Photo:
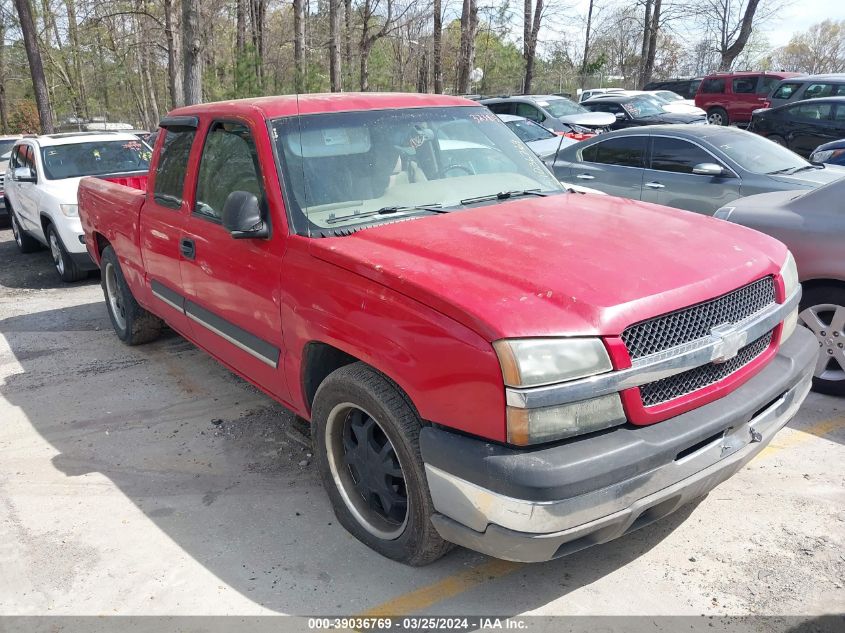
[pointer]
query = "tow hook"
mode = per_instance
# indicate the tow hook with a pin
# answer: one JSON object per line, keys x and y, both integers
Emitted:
{"x": 755, "y": 435}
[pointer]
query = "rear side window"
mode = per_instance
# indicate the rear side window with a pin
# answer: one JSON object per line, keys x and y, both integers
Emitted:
{"x": 15, "y": 159}
{"x": 500, "y": 108}
{"x": 812, "y": 111}
{"x": 676, "y": 155}
{"x": 824, "y": 90}
{"x": 173, "y": 165}
{"x": 785, "y": 91}
{"x": 744, "y": 85}
{"x": 528, "y": 111}
{"x": 766, "y": 84}
{"x": 627, "y": 151}
{"x": 229, "y": 163}
{"x": 713, "y": 86}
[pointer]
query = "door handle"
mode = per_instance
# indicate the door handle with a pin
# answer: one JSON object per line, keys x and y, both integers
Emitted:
{"x": 654, "y": 185}
{"x": 585, "y": 177}
{"x": 187, "y": 248}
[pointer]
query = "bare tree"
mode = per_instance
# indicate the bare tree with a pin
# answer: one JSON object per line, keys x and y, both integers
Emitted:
{"x": 531, "y": 18}
{"x": 192, "y": 52}
{"x": 651, "y": 27}
{"x": 371, "y": 14}
{"x": 335, "y": 74}
{"x": 437, "y": 38}
{"x": 586, "y": 59}
{"x": 466, "y": 53}
{"x": 299, "y": 44}
{"x": 36, "y": 68}
{"x": 174, "y": 72}
{"x": 4, "y": 112}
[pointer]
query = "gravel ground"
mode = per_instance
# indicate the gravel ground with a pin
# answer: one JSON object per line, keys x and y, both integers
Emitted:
{"x": 150, "y": 480}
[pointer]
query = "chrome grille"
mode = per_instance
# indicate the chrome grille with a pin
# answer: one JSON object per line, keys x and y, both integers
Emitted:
{"x": 689, "y": 324}
{"x": 694, "y": 379}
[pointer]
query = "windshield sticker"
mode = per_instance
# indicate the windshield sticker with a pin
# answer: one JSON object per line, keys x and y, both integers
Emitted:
{"x": 484, "y": 118}
{"x": 631, "y": 109}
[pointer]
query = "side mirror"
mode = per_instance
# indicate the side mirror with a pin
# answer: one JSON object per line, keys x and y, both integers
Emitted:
{"x": 242, "y": 216}
{"x": 23, "y": 174}
{"x": 708, "y": 169}
{"x": 620, "y": 116}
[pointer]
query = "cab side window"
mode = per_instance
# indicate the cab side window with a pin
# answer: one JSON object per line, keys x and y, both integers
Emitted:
{"x": 626, "y": 151}
{"x": 173, "y": 165}
{"x": 676, "y": 155}
{"x": 529, "y": 112}
{"x": 15, "y": 159}
{"x": 229, "y": 163}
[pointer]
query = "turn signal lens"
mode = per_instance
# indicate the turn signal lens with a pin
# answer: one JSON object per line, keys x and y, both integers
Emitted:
{"x": 533, "y": 426}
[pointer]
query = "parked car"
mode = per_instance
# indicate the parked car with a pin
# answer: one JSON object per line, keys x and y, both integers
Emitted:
{"x": 559, "y": 114}
{"x": 697, "y": 168}
{"x": 675, "y": 106}
{"x": 832, "y": 153}
{"x": 730, "y": 98}
{"x": 804, "y": 125}
{"x": 812, "y": 225}
{"x": 684, "y": 87}
{"x": 6, "y": 144}
{"x": 542, "y": 141}
{"x": 639, "y": 110}
{"x": 807, "y": 87}
{"x": 484, "y": 358}
{"x": 41, "y": 183}
{"x": 593, "y": 92}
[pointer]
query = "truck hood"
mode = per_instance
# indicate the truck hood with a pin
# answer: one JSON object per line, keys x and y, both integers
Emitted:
{"x": 589, "y": 119}
{"x": 568, "y": 264}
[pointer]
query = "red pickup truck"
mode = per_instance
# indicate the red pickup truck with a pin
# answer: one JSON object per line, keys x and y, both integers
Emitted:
{"x": 485, "y": 357}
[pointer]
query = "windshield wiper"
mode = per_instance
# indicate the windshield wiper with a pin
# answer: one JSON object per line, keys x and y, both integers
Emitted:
{"x": 794, "y": 170}
{"x": 504, "y": 195}
{"x": 435, "y": 207}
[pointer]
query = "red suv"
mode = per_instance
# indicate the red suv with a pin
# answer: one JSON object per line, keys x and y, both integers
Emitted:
{"x": 731, "y": 97}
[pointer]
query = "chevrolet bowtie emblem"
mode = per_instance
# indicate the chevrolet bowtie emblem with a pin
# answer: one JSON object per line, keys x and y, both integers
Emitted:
{"x": 729, "y": 342}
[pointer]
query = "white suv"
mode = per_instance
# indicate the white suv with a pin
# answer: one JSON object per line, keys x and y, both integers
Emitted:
{"x": 41, "y": 183}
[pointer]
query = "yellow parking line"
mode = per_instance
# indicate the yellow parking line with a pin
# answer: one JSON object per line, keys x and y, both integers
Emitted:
{"x": 462, "y": 581}
{"x": 422, "y": 598}
{"x": 799, "y": 436}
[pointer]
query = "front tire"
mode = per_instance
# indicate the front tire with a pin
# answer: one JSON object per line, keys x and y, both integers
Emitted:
{"x": 64, "y": 264}
{"x": 26, "y": 243}
{"x": 822, "y": 311}
{"x": 366, "y": 436}
{"x": 132, "y": 324}
{"x": 717, "y": 116}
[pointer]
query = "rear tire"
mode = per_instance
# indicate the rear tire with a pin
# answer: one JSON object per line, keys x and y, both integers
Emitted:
{"x": 132, "y": 324}
{"x": 26, "y": 243}
{"x": 65, "y": 266}
{"x": 366, "y": 436}
{"x": 718, "y": 116}
{"x": 822, "y": 311}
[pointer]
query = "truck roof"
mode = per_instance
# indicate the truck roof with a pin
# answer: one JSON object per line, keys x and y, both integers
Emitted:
{"x": 70, "y": 138}
{"x": 279, "y": 106}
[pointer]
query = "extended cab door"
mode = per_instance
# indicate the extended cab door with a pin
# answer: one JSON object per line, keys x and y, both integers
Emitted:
{"x": 614, "y": 166}
{"x": 233, "y": 285}
{"x": 669, "y": 179}
{"x": 163, "y": 219}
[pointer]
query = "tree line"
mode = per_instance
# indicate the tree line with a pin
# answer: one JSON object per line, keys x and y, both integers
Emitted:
{"x": 63, "y": 62}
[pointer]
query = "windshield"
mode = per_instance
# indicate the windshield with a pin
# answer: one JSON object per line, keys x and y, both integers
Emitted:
{"x": 94, "y": 158}
{"x": 755, "y": 153}
{"x": 641, "y": 107}
{"x": 529, "y": 131}
{"x": 564, "y": 107}
{"x": 350, "y": 169}
{"x": 668, "y": 95}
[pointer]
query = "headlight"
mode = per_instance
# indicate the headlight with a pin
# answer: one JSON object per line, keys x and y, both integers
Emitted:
{"x": 789, "y": 274}
{"x": 70, "y": 210}
{"x": 724, "y": 213}
{"x": 542, "y": 361}
{"x": 820, "y": 157}
{"x": 789, "y": 324}
{"x": 532, "y": 426}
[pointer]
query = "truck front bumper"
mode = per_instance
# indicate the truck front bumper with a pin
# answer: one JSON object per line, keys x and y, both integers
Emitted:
{"x": 533, "y": 505}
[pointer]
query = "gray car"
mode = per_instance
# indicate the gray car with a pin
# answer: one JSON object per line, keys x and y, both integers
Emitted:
{"x": 809, "y": 87}
{"x": 556, "y": 113}
{"x": 697, "y": 168}
{"x": 812, "y": 225}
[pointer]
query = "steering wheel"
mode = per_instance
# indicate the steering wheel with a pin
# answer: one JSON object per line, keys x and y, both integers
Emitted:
{"x": 467, "y": 170}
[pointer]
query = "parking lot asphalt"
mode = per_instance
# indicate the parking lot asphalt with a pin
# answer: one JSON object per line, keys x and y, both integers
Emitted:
{"x": 151, "y": 480}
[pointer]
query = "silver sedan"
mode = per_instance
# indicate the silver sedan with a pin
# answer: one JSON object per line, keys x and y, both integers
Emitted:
{"x": 812, "y": 225}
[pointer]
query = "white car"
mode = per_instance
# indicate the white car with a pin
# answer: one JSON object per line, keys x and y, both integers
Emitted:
{"x": 542, "y": 141}
{"x": 660, "y": 98}
{"x": 41, "y": 182}
{"x": 6, "y": 144}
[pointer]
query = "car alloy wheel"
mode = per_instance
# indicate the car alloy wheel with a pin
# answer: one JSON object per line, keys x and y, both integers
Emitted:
{"x": 56, "y": 252}
{"x": 115, "y": 299}
{"x": 367, "y": 471}
{"x": 827, "y": 322}
{"x": 714, "y": 118}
